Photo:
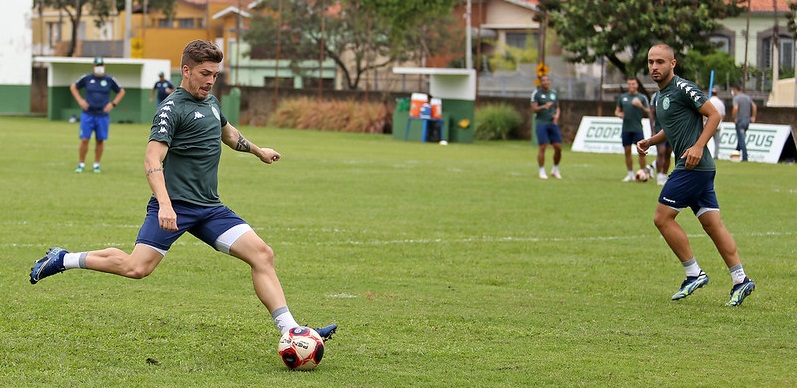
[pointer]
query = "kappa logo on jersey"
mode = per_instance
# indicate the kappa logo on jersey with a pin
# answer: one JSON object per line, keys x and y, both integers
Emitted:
{"x": 170, "y": 102}
{"x": 163, "y": 115}
{"x": 198, "y": 115}
{"x": 163, "y": 122}
{"x": 166, "y": 108}
{"x": 162, "y": 130}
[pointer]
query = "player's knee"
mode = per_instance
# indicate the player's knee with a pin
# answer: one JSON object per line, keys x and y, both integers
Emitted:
{"x": 660, "y": 220}
{"x": 264, "y": 256}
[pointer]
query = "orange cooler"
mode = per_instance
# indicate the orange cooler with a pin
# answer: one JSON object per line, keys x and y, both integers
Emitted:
{"x": 437, "y": 108}
{"x": 416, "y": 101}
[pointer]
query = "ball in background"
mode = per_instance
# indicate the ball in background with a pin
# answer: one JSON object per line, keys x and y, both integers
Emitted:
{"x": 642, "y": 175}
{"x": 301, "y": 348}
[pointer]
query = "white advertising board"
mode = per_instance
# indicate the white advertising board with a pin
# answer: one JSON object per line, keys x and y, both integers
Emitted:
{"x": 764, "y": 141}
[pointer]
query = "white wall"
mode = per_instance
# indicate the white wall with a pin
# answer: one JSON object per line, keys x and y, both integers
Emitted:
{"x": 16, "y": 42}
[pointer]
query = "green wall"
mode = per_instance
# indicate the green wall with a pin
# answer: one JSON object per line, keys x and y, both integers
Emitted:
{"x": 135, "y": 106}
{"x": 454, "y": 111}
{"x": 15, "y": 99}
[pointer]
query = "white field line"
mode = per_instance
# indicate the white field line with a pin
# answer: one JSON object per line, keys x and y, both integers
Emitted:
{"x": 376, "y": 242}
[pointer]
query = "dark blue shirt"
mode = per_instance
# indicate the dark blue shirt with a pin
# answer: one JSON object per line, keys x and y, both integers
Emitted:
{"x": 98, "y": 92}
{"x": 161, "y": 87}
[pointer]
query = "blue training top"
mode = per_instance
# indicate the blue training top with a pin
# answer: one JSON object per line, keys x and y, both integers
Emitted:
{"x": 98, "y": 92}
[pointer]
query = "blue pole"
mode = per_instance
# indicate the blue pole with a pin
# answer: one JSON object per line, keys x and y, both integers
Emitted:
{"x": 711, "y": 84}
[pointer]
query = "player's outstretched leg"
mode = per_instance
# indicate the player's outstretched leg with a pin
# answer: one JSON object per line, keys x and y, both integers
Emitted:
{"x": 51, "y": 264}
{"x": 691, "y": 284}
{"x": 327, "y": 331}
{"x": 741, "y": 291}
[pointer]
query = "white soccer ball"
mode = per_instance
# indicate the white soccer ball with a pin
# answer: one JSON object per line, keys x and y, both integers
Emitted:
{"x": 642, "y": 175}
{"x": 301, "y": 348}
{"x": 736, "y": 156}
{"x": 443, "y": 142}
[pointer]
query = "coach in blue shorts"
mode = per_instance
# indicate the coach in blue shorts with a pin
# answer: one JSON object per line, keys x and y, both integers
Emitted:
{"x": 96, "y": 105}
{"x": 545, "y": 106}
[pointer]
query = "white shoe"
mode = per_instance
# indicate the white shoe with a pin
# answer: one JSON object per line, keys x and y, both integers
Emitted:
{"x": 543, "y": 176}
{"x": 556, "y": 174}
{"x": 629, "y": 178}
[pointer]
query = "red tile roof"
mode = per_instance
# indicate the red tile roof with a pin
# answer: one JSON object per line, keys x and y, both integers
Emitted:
{"x": 768, "y": 6}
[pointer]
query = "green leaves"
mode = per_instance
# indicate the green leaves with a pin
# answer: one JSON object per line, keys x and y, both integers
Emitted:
{"x": 591, "y": 29}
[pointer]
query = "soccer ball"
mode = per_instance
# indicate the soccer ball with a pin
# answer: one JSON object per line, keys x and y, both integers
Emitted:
{"x": 642, "y": 175}
{"x": 301, "y": 348}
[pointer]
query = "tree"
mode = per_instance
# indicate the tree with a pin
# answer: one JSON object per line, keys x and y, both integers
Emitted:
{"x": 591, "y": 29}
{"x": 99, "y": 9}
{"x": 358, "y": 36}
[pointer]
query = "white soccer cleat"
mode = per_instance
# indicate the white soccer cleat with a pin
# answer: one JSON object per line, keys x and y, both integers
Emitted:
{"x": 543, "y": 175}
{"x": 556, "y": 174}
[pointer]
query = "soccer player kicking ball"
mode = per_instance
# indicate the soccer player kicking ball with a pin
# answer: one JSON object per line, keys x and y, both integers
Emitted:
{"x": 181, "y": 165}
{"x": 680, "y": 108}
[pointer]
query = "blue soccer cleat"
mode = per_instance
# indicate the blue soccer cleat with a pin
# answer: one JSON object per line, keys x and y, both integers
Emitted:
{"x": 48, "y": 265}
{"x": 691, "y": 284}
{"x": 327, "y": 331}
{"x": 741, "y": 291}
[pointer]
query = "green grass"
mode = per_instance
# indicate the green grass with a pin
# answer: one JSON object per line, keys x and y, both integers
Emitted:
{"x": 444, "y": 266}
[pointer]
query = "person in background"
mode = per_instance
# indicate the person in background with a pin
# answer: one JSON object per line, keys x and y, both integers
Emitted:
{"x": 717, "y": 102}
{"x": 163, "y": 88}
{"x": 632, "y": 106}
{"x": 744, "y": 111}
{"x": 688, "y": 122}
{"x": 96, "y": 106}
{"x": 545, "y": 106}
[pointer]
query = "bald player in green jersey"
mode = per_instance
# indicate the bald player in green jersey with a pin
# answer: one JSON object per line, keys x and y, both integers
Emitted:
{"x": 681, "y": 107}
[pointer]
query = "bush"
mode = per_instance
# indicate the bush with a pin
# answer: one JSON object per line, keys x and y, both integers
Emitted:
{"x": 338, "y": 116}
{"x": 495, "y": 122}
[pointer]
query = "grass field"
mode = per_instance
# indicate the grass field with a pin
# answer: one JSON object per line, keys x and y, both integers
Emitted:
{"x": 444, "y": 266}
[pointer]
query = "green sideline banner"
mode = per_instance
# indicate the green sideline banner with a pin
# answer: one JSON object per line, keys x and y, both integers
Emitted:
{"x": 765, "y": 142}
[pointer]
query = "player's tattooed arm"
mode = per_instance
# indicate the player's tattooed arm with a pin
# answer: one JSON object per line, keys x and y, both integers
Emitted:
{"x": 242, "y": 145}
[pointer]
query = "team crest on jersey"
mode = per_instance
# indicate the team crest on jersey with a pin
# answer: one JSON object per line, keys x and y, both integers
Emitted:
{"x": 104, "y": 83}
{"x": 216, "y": 112}
{"x": 665, "y": 103}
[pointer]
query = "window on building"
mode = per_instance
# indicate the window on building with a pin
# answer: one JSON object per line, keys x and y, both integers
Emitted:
{"x": 186, "y": 23}
{"x": 722, "y": 42}
{"x": 164, "y": 23}
{"x": 53, "y": 33}
{"x": 81, "y": 32}
{"x": 786, "y": 51}
{"x": 517, "y": 39}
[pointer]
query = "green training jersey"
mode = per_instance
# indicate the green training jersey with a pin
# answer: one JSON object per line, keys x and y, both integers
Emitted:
{"x": 677, "y": 108}
{"x": 656, "y": 122}
{"x": 632, "y": 115}
{"x": 192, "y": 130}
{"x": 542, "y": 97}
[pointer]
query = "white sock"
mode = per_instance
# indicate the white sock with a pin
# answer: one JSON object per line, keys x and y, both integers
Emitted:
{"x": 555, "y": 169}
{"x": 81, "y": 164}
{"x": 96, "y": 164}
{"x": 75, "y": 260}
{"x": 542, "y": 170}
{"x": 284, "y": 319}
{"x": 630, "y": 173}
{"x": 692, "y": 268}
{"x": 737, "y": 274}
